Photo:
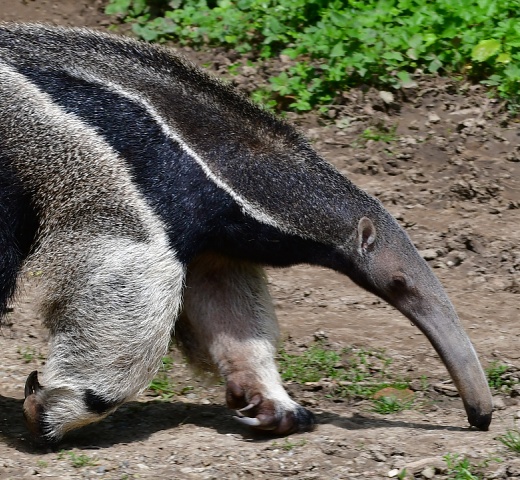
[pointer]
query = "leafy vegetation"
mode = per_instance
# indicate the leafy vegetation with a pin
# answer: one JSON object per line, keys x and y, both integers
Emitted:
{"x": 390, "y": 404}
{"x": 29, "y": 354}
{"x": 289, "y": 445}
{"x": 353, "y": 372}
{"x": 331, "y": 45}
{"x": 511, "y": 439}
{"x": 498, "y": 378}
{"x": 161, "y": 385}
{"x": 460, "y": 468}
{"x": 380, "y": 134}
{"x": 78, "y": 460}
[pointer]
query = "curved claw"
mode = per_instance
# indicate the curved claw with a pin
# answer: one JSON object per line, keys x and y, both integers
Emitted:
{"x": 281, "y": 417}
{"x": 248, "y": 407}
{"x": 32, "y": 385}
{"x": 251, "y": 422}
{"x": 32, "y": 410}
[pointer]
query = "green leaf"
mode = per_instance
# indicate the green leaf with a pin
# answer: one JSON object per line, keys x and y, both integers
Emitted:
{"x": 512, "y": 72}
{"x": 392, "y": 56}
{"x": 338, "y": 50}
{"x": 405, "y": 80}
{"x": 118, "y": 7}
{"x": 429, "y": 39}
{"x": 339, "y": 19}
{"x": 411, "y": 53}
{"x": 503, "y": 58}
{"x": 434, "y": 65}
{"x": 484, "y": 50}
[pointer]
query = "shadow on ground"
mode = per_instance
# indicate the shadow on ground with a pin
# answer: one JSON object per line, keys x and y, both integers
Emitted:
{"x": 136, "y": 421}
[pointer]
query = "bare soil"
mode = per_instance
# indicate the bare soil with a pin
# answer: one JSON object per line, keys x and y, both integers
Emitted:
{"x": 450, "y": 173}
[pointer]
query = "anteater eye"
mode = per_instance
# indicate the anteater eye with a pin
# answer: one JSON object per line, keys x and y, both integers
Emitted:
{"x": 399, "y": 281}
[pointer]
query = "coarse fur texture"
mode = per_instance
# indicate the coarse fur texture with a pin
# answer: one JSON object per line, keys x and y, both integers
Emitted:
{"x": 150, "y": 195}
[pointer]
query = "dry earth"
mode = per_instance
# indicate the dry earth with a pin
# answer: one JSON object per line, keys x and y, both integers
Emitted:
{"x": 451, "y": 175}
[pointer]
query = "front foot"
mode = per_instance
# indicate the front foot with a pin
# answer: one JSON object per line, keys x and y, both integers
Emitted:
{"x": 51, "y": 412}
{"x": 33, "y": 411}
{"x": 280, "y": 416}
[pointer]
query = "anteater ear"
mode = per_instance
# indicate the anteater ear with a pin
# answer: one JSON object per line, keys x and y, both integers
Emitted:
{"x": 366, "y": 235}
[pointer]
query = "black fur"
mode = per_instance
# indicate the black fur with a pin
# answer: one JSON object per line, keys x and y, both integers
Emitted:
{"x": 97, "y": 404}
{"x": 199, "y": 215}
{"x": 231, "y": 134}
{"x": 18, "y": 226}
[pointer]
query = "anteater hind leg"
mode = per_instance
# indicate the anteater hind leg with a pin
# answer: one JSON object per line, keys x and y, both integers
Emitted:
{"x": 229, "y": 322}
{"x": 110, "y": 316}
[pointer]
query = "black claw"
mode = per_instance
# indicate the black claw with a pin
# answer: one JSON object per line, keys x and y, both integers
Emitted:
{"x": 32, "y": 385}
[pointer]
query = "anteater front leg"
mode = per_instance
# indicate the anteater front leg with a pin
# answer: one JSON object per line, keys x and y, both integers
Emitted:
{"x": 229, "y": 323}
{"x": 110, "y": 306}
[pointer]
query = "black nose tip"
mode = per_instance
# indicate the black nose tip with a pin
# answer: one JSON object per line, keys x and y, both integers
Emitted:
{"x": 480, "y": 420}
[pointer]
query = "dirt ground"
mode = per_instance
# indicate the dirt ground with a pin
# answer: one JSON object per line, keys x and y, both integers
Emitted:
{"x": 450, "y": 173}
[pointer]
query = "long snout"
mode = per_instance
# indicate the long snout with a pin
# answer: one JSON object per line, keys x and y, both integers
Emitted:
{"x": 442, "y": 327}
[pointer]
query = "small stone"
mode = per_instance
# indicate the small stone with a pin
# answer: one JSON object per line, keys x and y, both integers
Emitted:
{"x": 434, "y": 118}
{"x": 320, "y": 334}
{"x": 515, "y": 390}
{"x": 248, "y": 71}
{"x": 378, "y": 456}
{"x": 429, "y": 254}
{"x": 448, "y": 390}
{"x": 416, "y": 385}
{"x": 387, "y": 97}
{"x": 438, "y": 464}
{"x": 498, "y": 403}
{"x": 428, "y": 472}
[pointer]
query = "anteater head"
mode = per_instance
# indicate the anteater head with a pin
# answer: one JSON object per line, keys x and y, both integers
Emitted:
{"x": 385, "y": 262}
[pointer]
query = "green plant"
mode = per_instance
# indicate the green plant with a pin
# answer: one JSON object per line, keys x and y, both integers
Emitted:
{"x": 288, "y": 445}
{"x": 335, "y": 44}
{"x": 459, "y": 468}
{"x": 77, "y": 460}
{"x": 353, "y": 372}
{"x": 391, "y": 404}
{"x": 42, "y": 464}
{"x": 511, "y": 439}
{"x": 380, "y": 134}
{"x": 402, "y": 474}
{"x": 496, "y": 379}
{"x": 424, "y": 383}
{"x": 314, "y": 364}
{"x": 27, "y": 354}
{"x": 161, "y": 385}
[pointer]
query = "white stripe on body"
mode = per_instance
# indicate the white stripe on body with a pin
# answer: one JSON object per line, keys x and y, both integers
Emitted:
{"x": 248, "y": 207}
